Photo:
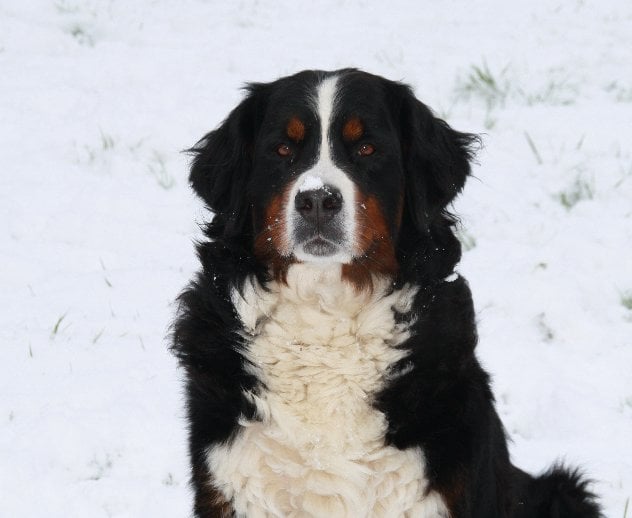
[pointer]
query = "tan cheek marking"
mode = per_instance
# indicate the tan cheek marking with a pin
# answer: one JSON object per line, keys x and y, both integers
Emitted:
{"x": 353, "y": 129}
{"x": 295, "y": 129}
{"x": 273, "y": 241}
{"x": 377, "y": 251}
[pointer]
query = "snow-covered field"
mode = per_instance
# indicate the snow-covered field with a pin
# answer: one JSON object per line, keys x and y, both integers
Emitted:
{"x": 97, "y": 98}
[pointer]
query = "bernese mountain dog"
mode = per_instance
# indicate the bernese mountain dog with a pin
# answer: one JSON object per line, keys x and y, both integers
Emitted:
{"x": 327, "y": 342}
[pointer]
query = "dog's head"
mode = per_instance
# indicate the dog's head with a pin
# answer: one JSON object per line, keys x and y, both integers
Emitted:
{"x": 330, "y": 167}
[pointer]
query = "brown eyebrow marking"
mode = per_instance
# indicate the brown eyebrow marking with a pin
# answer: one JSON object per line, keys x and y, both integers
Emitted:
{"x": 295, "y": 129}
{"x": 353, "y": 129}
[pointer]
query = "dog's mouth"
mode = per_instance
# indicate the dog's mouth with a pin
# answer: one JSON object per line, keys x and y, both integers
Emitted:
{"x": 320, "y": 247}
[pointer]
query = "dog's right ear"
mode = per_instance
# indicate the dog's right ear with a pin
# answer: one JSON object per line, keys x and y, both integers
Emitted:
{"x": 223, "y": 159}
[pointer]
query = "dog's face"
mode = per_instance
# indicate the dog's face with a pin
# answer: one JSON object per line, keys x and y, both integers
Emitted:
{"x": 324, "y": 167}
{"x": 327, "y": 180}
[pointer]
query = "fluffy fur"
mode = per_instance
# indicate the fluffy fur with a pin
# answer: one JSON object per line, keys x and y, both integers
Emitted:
{"x": 328, "y": 344}
{"x": 318, "y": 448}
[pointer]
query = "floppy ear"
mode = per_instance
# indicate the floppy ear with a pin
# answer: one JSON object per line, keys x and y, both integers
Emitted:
{"x": 436, "y": 160}
{"x": 223, "y": 160}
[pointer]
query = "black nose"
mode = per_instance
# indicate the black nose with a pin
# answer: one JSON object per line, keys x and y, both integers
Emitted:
{"x": 320, "y": 205}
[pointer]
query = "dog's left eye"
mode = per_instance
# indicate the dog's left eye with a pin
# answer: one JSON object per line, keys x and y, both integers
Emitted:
{"x": 283, "y": 150}
{"x": 366, "y": 150}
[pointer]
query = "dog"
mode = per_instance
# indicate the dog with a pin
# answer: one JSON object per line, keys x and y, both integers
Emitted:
{"x": 328, "y": 343}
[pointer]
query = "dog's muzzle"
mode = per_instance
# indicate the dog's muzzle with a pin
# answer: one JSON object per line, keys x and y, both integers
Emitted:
{"x": 319, "y": 220}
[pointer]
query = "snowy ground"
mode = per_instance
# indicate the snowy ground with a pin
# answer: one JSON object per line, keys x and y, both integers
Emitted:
{"x": 98, "y": 98}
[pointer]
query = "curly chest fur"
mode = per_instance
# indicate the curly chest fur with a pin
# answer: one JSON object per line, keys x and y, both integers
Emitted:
{"x": 321, "y": 351}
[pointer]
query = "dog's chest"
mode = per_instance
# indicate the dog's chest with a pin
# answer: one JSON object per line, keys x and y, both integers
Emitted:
{"x": 321, "y": 352}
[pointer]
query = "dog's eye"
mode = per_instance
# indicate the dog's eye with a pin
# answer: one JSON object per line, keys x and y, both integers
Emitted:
{"x": 366, "y": 150}
{"x": 283, "y": 150}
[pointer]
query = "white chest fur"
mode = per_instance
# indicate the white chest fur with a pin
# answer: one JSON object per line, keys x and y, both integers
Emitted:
{"x": 321, "y": 351}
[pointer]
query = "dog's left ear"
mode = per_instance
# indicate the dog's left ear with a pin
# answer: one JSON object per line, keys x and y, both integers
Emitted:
{"x": 436, "y": 159}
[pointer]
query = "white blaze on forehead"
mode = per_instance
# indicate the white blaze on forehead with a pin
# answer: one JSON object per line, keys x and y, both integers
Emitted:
{"x": 325, "y": 100}
{"x": 325, "y": 172}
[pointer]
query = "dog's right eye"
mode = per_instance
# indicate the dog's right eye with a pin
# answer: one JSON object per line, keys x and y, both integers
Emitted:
{"x": 366, "y": 150}
{"x": 283, "y": 150}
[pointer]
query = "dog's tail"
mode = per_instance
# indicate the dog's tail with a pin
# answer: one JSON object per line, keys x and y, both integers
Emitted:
{"x": 558, "y": 493}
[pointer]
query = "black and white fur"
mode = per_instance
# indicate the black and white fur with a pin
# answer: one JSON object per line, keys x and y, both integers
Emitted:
{"x": 328, "y": 344}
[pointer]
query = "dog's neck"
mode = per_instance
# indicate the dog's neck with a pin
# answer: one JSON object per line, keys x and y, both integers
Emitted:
{"x": 320, "y": 287}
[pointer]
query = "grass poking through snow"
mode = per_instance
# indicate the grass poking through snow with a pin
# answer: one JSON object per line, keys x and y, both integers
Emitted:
{"x": 55, "y": 330}
{"x": 533, "y": 148}
{"x": 159, "y": 171}
{"x": 481, "y": 82}
{"x": 467, "y": 240}
{"x": 581, "y": 189}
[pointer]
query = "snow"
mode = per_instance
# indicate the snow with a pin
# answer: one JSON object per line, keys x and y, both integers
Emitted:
{"x": 310, "y": 183}
{"x": 98, "y": 98}
{"x": 452, "y": 277}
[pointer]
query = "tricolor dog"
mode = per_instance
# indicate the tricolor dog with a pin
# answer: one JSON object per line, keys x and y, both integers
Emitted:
{"x": 327, "y": 342}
